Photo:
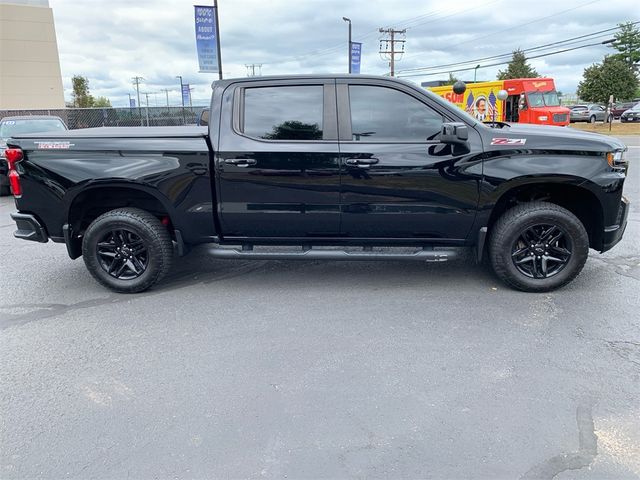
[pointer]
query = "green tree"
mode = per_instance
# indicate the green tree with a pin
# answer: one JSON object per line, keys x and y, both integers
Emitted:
{"x": 81, "y": 96}
{"x": 611, "y": 77}
{"x": 518, "y": 68}
{"x": 101, "y": 102}
{"x": 627, "y": 42}
{"x": 451, "y": 80}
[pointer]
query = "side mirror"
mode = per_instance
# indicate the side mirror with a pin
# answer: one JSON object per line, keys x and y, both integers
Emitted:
{"x": 522, "y": 103}
{"x": 454, "y": 133}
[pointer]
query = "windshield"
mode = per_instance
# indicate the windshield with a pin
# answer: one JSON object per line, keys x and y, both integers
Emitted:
{"x": 541, "y": 99}
{"x": 10, "y": 128}
{"x": 636, "y": 107}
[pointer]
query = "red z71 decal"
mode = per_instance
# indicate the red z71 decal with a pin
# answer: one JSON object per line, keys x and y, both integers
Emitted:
{"x": 508, "y": 141}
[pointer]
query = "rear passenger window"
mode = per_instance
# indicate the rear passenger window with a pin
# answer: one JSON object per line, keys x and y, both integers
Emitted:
{"x": 385, "y": 114}
{"x": 284, "y": 113}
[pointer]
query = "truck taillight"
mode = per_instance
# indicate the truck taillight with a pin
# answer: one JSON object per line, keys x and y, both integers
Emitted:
{"x": 13, "y": 156}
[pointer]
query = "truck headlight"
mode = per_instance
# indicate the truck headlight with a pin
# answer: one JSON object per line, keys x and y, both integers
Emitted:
{"x": 617, "y": 158}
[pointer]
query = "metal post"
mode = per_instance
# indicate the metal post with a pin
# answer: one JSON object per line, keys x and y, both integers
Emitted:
{"x": 147, "y": 109}
{"x": 348, "y": 20}
{"x": 184, "y": 119}
{"x": 137, "y": 82}
{"x": 391, "y": 64}
{"x": 475, "y": 72}
{"x": 215, "y": 5}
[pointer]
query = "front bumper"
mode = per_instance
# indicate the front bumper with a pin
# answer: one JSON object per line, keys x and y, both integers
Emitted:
{"x": 635, "y": 118}
{"x": 29, "y": 228}
{"x": 613, "y": 234}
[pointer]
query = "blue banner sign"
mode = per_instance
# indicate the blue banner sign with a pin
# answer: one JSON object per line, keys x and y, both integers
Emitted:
{"x": 132, "y": 103}
{"x": 356, "y": 51}
{"x": 186, "y": 94}
{"x": 206, "y": 38}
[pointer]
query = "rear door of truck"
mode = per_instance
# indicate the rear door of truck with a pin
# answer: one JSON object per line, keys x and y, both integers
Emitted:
{"x": 277, "y": 162}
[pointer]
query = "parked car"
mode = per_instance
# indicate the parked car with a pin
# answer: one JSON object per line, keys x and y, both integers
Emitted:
{"x": 631, "y": 115}
{"x": 591, "y": 113}
{"x": 10, "y": 126}
{"x": 301, "y": 162}
{"x": 619, "y": 108}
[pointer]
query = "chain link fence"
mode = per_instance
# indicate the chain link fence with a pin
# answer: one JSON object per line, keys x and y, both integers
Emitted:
{"x": 117, "y": 117}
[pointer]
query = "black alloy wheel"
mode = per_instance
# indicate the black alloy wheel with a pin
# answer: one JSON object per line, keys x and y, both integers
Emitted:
{"x": 538, "y": 246}
{"x": 541, "y": 251}
{"x": 122, "y": 254}
{"x": 127, "y": 249}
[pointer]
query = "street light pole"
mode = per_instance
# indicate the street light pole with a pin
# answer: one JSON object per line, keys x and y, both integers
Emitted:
{"x": 475, "y": 72}
{"x": 184, "y": 119}
{"x": 349, "y": 55}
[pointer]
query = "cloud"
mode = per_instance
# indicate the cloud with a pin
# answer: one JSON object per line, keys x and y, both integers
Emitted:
{"x": 109, "y": 42}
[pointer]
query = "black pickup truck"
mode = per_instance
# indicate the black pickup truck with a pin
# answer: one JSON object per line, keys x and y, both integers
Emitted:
{"x": 323, "y": 167}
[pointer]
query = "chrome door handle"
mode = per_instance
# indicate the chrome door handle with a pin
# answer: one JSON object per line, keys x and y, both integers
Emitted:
{"x": 240, "y": 162}
{"x": 361, "y": 162}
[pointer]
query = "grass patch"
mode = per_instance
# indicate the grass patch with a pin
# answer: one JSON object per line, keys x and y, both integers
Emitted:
{"x": 617, "y": 128}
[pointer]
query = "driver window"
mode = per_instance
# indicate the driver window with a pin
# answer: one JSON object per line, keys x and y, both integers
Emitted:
{"x": 386, "y": 114}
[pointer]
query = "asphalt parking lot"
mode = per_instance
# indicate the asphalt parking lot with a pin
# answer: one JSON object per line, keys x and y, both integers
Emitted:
{"x": 319, "y": 369}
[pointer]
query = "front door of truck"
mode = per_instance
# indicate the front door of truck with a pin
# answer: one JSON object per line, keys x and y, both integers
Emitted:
{"x": 278, "y": 172}
{"x": 398, "y": 180}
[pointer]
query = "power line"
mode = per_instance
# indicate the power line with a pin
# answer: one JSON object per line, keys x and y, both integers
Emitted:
{"x": 565, "y": 42}
{"x": 493, "y": 57}
{"x": 493, "y": 34}
{"x": 503, "y": 63}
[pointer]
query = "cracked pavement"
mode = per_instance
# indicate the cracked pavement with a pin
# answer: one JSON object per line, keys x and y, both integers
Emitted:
{"x": 319, "y": 369}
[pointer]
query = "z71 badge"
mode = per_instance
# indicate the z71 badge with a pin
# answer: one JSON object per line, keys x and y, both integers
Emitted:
{"x": 54, "y": 145}
{"x": 508, "y": 141}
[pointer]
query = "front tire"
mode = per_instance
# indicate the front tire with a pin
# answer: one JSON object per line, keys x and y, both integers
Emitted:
{"x": 592, "y": 119}
{"x": 538, "y": 247}
{"x": 127, "y": 250}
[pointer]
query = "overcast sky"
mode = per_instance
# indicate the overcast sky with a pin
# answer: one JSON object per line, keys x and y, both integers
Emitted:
{"x": 111, "y": 41}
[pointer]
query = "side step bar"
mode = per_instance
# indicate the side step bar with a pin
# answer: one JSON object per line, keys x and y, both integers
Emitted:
{"x": 308, "y": 253}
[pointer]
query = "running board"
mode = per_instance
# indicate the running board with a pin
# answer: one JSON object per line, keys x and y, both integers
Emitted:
{"x": 308, "y": 253}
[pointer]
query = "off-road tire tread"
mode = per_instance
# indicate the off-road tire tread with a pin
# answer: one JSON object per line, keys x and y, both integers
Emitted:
{"x": 154, "y": 227}
{"x": 501, "y": 229}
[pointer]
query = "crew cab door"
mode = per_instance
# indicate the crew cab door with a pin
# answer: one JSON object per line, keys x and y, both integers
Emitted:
{"x": 398, "y": 180}
{"x": 278, "y": 172}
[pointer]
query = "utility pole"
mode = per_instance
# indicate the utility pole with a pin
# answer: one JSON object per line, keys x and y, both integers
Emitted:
{"x": 146, "y": 94}
{"x": 129, "y": 100}
{"x": 166, "y": 91}
{"x": 136, "y": 82}
{"x": 184, "y": 119}
{"x": 349, "y": 44}
{"x": 389, "y": 48}
{"x": 251, "y": 69}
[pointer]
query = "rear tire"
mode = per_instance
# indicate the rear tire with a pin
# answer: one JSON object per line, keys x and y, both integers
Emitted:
{"x": 538, "y": 247}
{"x": 127, "y": 250}
{"x": 592, "y": 119}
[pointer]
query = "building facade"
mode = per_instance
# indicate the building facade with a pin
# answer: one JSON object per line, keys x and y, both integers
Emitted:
{"x": 30, "y": 75}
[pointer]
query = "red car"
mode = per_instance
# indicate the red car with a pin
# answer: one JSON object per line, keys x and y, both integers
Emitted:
{"x": 619, "y": 108}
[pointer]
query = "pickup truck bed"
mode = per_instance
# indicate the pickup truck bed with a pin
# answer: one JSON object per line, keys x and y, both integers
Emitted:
{"x": 303, "y": 162}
